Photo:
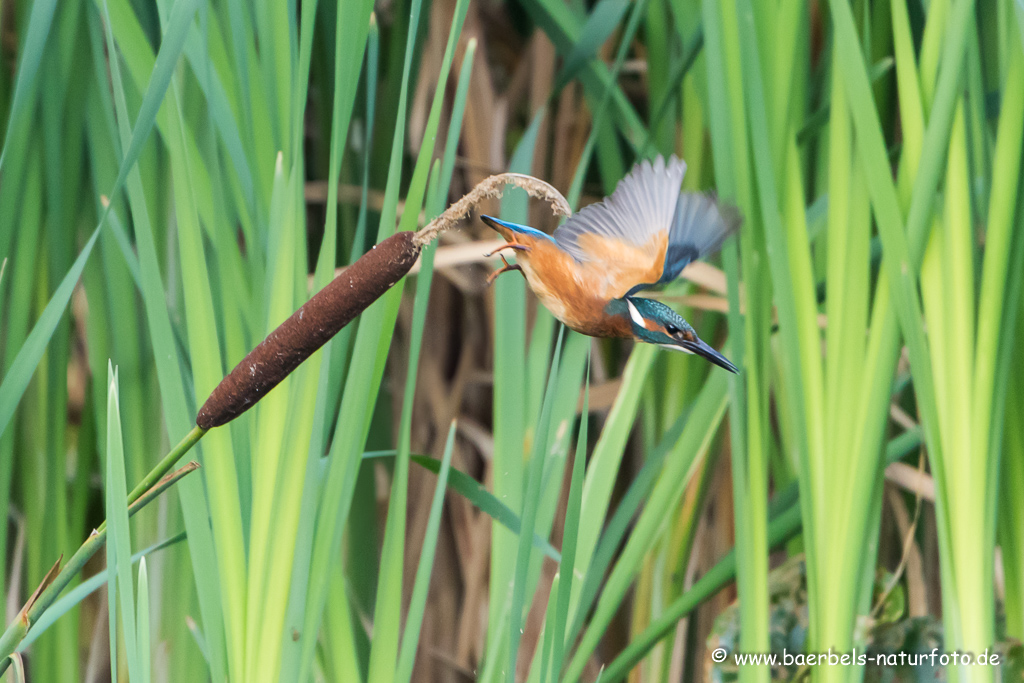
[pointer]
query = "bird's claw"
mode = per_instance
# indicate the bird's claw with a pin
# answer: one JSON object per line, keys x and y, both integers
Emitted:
{"x": 508, "y": 266}
{"x": 511, "y": 245}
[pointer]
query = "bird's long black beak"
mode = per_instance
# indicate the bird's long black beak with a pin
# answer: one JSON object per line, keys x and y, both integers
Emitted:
{"x": 699, "y": 348}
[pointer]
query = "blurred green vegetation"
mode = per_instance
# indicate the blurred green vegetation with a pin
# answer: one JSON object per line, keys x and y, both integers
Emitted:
{"x": 455, "y": 487}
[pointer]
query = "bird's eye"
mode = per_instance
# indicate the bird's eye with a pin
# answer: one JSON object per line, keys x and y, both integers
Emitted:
{"x": 672, "y": 330}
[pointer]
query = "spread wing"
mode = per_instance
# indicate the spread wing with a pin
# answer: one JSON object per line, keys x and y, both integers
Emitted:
{"x": 645, "y": 233}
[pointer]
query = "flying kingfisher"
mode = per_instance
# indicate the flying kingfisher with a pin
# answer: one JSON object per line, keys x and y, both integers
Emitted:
{"x": 589, "y": 271}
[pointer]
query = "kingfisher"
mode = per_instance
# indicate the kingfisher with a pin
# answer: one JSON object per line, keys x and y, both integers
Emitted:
{"x": 589, "y": 271}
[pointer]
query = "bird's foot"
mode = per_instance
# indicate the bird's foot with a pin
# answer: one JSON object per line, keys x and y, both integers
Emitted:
{"x": 511, "y": 245}
{"x": 508, "y": 266}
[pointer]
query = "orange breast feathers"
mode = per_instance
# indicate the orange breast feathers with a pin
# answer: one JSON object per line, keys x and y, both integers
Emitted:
{"x": 578, "y": 292}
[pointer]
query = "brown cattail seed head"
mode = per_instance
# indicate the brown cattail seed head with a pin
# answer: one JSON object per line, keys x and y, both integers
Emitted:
{"x": 309, "y": 328}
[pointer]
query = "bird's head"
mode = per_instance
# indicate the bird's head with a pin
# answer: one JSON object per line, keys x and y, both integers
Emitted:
{"x": 655, "y": 323}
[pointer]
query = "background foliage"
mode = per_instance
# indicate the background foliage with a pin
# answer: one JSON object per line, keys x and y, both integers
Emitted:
{"x": 456, "y": 488}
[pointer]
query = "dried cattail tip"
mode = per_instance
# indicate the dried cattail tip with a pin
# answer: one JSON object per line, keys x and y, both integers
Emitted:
{"x": 492, "y": 188}
{"x": 309, "y": 328}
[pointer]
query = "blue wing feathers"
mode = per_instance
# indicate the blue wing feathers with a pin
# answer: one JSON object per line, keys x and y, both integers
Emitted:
{"x": 699, "y": 226}
{"x": 640, "y": 207}
{"x": 647, "y": 203}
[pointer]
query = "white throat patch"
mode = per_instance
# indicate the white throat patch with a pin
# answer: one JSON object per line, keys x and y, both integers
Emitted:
{"x": 672, "y": 347}
{"x": 635, "y": 314}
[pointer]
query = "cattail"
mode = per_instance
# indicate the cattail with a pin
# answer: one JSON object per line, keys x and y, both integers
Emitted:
{"x": 348, "y": 295}
{"x": 309, "y": 328}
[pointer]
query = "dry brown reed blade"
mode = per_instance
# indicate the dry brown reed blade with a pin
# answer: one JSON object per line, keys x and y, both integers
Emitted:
{"x": 343, "y": 299}
{"x": 43, "y": 585}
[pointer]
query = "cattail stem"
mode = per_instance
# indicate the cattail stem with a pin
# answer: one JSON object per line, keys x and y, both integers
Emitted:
{"x": 57, "y": 579}
{"x": 165, "y": 465}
